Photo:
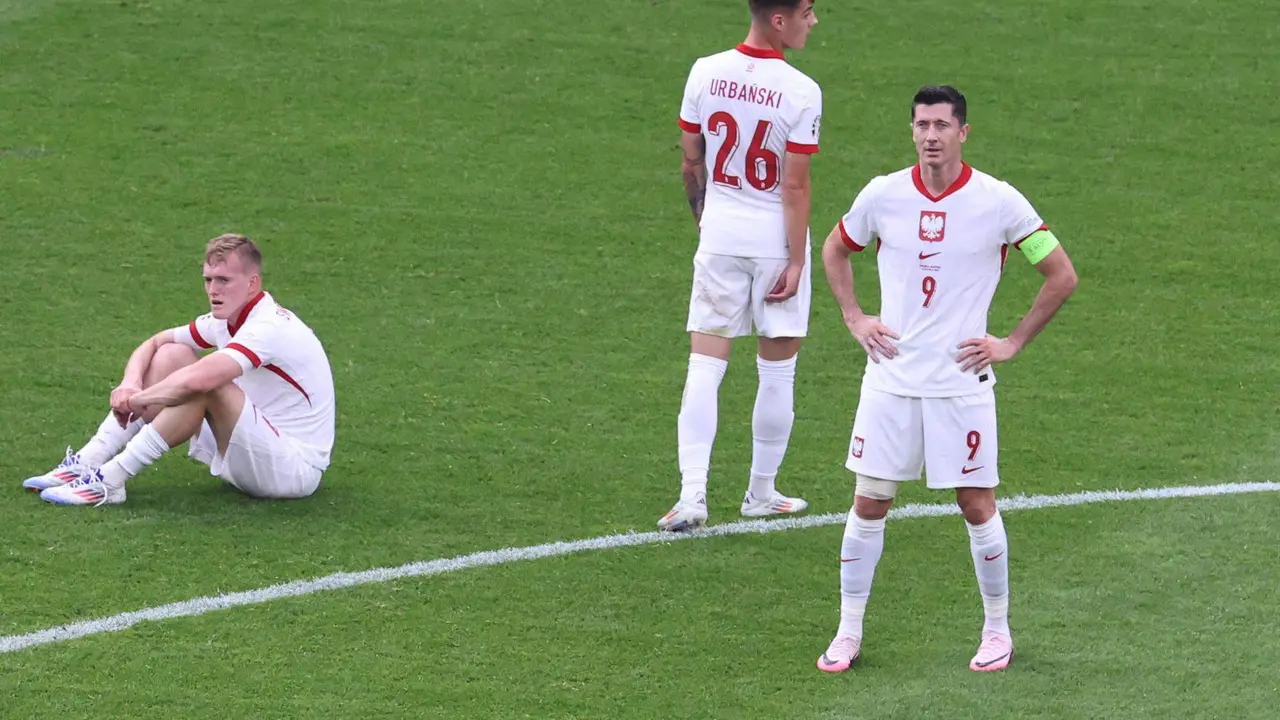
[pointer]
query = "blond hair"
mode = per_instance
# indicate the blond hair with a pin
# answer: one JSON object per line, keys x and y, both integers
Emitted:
{"x": 219, "y": 248}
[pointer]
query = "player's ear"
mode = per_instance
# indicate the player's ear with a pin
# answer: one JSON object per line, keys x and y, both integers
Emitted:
{"x": 964, "y": 132}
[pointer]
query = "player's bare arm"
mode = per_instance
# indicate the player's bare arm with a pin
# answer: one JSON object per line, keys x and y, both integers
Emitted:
{"x": 1059, "y": 283}
{"x": 795, "y": 217}
{"x": 694, "y": 170}
{"x": 209, "y": 373}
{"x": 874, "y": 337}
{"x": 134, "y": 370}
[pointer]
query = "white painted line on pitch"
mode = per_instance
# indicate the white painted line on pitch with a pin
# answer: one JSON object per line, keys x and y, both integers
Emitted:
{"x": 201, "y": 605}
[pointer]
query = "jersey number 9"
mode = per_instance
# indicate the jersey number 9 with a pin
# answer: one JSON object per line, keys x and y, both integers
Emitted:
{"x": 928, "y": 286}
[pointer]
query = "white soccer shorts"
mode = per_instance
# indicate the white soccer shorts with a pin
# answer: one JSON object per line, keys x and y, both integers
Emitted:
{"x": 260, "y": 461}
{"x": 728, "y": 298}
{"x": 952, "y": 439}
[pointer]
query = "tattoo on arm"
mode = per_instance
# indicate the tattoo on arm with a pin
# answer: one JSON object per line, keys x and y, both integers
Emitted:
{"x": 694, "y": 170}
{"x": 695, "y": 188}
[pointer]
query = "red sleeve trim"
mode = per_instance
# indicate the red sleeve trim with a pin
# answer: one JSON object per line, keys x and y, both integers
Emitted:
{"x": 849, "y": 242}
{"x": 689, "y": 127}
{"x": 253, "y": 357}
{"x": 1033, "y": 232}
{"x": 195, "y": 335}
{"x": 801, "y": 148}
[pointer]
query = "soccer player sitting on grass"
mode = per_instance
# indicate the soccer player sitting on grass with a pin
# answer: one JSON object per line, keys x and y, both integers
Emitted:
{"x": 259, "y": 410}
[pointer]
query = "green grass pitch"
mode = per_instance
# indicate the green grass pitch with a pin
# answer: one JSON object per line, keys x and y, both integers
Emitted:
{"x": 478, "y": 208}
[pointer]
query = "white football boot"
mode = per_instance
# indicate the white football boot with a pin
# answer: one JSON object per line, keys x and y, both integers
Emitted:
{"x": 776, "y": 504}
{"x": 89, "y": 489}
{"x": 685, "y": 516}
{"x": 68, "y": 471}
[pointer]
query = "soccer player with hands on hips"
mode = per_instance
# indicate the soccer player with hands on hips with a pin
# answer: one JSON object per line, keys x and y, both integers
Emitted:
{"x": 259, "y": 409}
{"x": 750, "y": 124}
{"x": 942, "y": 231}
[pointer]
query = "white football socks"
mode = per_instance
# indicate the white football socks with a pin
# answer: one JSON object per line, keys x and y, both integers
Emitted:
{"x": 696, "y": 426}
{"x": 109, "y": 440}
{"x": 859, "y": 553}
{"x": 990, "y": 548}
{"x": 145, "y": 448}
{"x": 771, "y": 423}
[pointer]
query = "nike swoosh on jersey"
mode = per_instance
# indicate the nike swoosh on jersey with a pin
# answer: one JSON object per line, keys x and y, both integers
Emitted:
{"x": 966, "y": 471}
{"x": 989, "y": 558}
{"x": 926, "y": 256}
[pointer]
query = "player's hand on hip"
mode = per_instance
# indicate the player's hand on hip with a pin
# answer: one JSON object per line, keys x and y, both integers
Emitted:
{"x": 874, "y": 337}
{"x": 788, "y": 284}
{"x": 120, "y": 403}
{"x": 977, "y": 354}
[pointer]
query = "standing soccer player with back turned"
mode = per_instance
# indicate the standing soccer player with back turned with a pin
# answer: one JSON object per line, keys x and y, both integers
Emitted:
{"x": 750, "y": 125}
{"x": 942, "y": 231}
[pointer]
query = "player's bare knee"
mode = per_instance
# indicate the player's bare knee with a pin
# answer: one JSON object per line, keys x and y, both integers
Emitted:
{"x": 710, "y": 345}
{"x": 978, "y": 505}
{"x": 873, "y": 497}
{"x": 168, "y": 359}
{"x": 978, "y": 515}
{"x": 869, "y": 509}
{"x": 776, "y": 349}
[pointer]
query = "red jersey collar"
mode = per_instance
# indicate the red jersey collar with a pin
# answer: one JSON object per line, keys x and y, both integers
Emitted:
{"x": 232, "y": 327}
{"x": 966, "y": 172}
{"x": 769, "y": 54}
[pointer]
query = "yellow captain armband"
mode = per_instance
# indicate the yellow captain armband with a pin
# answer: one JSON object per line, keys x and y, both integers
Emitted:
{"x": 1037, "y": 246}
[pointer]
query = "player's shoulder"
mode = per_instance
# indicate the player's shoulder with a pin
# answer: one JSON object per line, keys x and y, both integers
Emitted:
{"x": 870, "y": 195}
{"x": 703, "y": 69}
{"x": 798, "y": 89}
{"x": 267, "y": 316}
{"x": 278, "y": 329}
{"x": 900, "y": 177}
{"x": 1015, "y": 212}
{"x": 262, "y": 327}
{"x": 984, "y": 180}
{"x": 287, "y": 320}
{"x": 714, "y": 60}
{"x": 992, "y": 185}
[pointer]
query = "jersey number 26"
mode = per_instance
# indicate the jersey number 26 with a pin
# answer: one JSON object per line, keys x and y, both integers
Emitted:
{"x": 762, "y": 163}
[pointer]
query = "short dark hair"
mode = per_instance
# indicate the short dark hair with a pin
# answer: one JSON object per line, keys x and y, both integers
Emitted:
{"x": 760, "y": 7}
{"x": 937, "y": 95}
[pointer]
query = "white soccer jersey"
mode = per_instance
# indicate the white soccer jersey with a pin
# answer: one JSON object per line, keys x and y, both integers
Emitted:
{"x": 286, "y": 370}
{"x": 752, "y": 108}
{"x": 940, "y": 259}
